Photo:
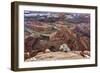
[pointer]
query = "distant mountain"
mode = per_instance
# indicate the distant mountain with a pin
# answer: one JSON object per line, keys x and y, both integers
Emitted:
{"x": 56, "y": 16}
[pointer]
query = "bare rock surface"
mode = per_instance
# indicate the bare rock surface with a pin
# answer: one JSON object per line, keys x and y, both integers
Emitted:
{"x": 56, "y": 56}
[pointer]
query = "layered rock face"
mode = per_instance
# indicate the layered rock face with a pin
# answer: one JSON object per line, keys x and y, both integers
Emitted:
{"x": 51, "y": 30}
{"x": 71, "y": 38}
{"x": 76, "y": 38}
